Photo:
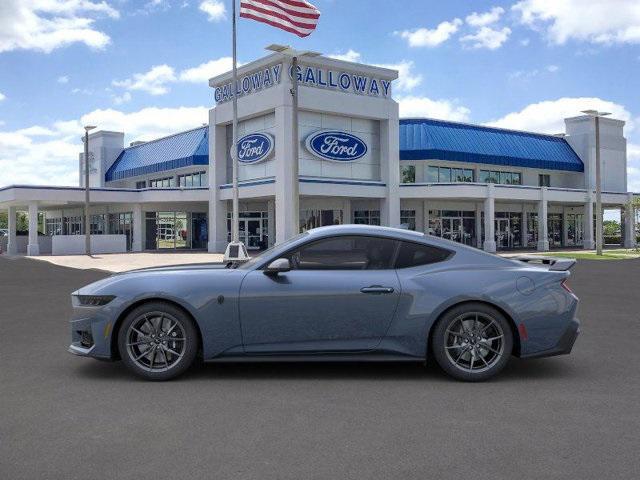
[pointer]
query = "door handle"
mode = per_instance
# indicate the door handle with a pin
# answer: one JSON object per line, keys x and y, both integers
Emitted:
{"x": 377, "y": 289}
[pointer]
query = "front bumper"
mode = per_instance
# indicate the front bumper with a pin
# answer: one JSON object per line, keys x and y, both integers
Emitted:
{"x": 564, "y": 344}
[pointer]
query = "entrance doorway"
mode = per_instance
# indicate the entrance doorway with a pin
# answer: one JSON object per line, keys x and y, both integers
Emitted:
{"x": 508, "y": 230}
{"x": 253, "y": 229}
{"x": 575, "y": 232}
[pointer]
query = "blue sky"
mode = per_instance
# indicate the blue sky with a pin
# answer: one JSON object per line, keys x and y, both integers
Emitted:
{"x": 142, "y": 66}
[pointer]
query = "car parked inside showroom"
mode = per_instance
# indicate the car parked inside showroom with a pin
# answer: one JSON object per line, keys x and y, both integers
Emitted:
{"x": 339, "y": 293}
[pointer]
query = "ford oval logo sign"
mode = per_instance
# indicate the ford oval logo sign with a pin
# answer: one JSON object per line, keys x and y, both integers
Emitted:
{"x": 336, "y": 146}
{"x": 255, "y": 147}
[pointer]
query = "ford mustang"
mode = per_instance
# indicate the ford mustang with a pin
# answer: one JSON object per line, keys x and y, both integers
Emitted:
{"x": 339, "y": 293}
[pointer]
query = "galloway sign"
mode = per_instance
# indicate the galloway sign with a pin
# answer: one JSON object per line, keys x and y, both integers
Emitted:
{"x": 342, "y": 81}
{"x": 260, "y": 80}
{"x": 309, "y": 76}
{"x": 336, "y": 146}
{"x": 255, "y": 148}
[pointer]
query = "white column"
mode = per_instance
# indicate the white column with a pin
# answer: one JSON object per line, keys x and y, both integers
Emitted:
{"x": 543, "y": 236}
{"x": 489, "y": 221}
{"x": 390, "y": 165}
{"x": 588, "y": 241}
{"x": 285, "y": 228}
{"x": 479, "y": 225}
{"x": 425, "y": 216}
{"x": 271, "y": 226}
{"x": 12, "y": 247}
{"x": 346, "y": 214}
{"x": 138, "y": 228}
{"x": 629, "y": 224}
{"x": 33, "y": 248}
{"x": 565, "y": 227}
{"x": 218, "y": 150}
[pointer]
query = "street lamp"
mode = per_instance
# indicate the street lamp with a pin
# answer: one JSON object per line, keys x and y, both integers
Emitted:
{"x": 294, "y": 55}
{"x": 596, "y": 115}
{"x": 87, "y": 218}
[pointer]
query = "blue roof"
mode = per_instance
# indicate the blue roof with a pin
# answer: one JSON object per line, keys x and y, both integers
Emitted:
{"x": 426, "y": 139}
{"x": 176, "y": 151}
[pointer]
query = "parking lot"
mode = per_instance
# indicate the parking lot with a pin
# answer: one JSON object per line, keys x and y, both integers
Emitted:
{"x": 571, "y": 417}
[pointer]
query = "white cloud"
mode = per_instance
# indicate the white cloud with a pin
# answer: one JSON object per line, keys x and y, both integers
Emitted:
{"x": 595, "y": 21}
{"x": 407, "y": 78}
{"x": 349, "y": 56}
{"x": 48, "y": 155}
{"x": 45, "y": 25}
{"x": 414, "y": 106}
{"x": 525, "y": 42}
{"x": 2, "y": 96}
{"x": 487, "y": 37}
{"x": 154, "y": 81}
{"x": 214, "y": 9}
{"x": 63, "y": 79}
{"x": 483, "y": 19}
{"x": 529, "y": 74}
{"x": 548, "y": 116}
{"x": 203, "y": 72}
{"x": 120, "y": 99}
{"x": 423, "y": 37}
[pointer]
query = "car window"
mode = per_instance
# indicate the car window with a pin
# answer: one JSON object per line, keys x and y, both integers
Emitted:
{"x": 416, "y": 254}
{"x": 345, "y": 253}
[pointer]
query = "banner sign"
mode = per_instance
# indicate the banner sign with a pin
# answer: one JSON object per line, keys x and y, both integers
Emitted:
{"x": 336, "y": 146}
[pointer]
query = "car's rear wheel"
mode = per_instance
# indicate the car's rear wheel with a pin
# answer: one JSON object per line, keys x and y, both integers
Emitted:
{"x": 472, "y": 342}
{"x": 157, "y": 341}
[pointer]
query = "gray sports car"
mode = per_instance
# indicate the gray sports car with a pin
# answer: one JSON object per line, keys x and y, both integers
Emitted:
{"x": 336, "y": 293}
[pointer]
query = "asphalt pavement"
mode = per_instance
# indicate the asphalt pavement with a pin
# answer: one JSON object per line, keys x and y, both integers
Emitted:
{"x": 570, "y": 417}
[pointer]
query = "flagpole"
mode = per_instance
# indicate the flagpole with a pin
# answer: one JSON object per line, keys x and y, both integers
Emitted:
{"x": 235, "y": 223}
{"x": 295, "y": 151}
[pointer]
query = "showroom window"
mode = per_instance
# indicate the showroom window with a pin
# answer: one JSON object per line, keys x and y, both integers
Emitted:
{"x": 345, "y": 253}
{"x": 544, "y": 180}
{"x": 366, "y": 217}
{"x": 449, "y": 175}
{"x": 142, "y": 184}
{"x": 166, "y": 182}
{"x": 408, "y": 218}
{"x": 408, "y": 174}
{"x": 504, "y": 178}
{"x": 190, "y": 180}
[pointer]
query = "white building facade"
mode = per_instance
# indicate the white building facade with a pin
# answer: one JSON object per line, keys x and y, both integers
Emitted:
{"x": 358, "y": 163}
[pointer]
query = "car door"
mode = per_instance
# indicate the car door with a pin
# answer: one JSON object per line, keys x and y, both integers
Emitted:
{"x": 340, "y": 296}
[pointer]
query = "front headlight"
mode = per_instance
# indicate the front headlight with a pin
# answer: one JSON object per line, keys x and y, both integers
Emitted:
{"x": 91, "y": 300}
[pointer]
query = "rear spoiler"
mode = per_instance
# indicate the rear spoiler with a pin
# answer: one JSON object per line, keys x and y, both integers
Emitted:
{"x": 555, "y": 264}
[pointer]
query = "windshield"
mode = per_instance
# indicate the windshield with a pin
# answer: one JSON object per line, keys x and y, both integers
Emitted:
{"x": 264, "y": 255}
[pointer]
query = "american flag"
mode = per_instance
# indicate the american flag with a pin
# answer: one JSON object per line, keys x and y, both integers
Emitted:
{"x": 295, "y": 16}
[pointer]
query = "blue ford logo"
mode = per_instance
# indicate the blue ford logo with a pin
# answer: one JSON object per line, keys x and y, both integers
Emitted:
{"x": 336, "y": 146}
{"x": 255, "y": 147}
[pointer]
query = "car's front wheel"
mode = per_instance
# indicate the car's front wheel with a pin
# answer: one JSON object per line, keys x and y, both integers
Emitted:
{"x": 472, "y": 342}
{"x": 157, "y": 341}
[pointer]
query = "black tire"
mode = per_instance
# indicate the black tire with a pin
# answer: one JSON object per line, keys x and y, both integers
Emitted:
{"x": 174, "y": 356}
{"x": 466, "y": 342}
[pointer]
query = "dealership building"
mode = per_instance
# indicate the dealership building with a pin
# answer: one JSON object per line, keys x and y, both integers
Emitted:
{"x": 490, "y": 188}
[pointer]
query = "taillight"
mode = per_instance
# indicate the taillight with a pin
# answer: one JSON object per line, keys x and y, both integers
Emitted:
{"x": 565, "y": 285}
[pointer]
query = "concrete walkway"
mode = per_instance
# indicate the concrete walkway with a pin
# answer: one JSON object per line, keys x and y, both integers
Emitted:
{"x": 121, "y": 262}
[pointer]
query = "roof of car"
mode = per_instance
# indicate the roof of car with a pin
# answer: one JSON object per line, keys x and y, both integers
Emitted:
{"x": 365, "y": 230}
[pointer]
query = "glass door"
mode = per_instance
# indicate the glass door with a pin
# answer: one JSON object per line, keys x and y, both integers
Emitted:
{"x": 251, "y": 233}
{"x": 504, "y": 238}
{"x": 575, "y": 234}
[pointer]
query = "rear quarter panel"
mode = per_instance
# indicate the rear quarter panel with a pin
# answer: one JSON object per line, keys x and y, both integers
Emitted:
{"x": 429, "y": 291}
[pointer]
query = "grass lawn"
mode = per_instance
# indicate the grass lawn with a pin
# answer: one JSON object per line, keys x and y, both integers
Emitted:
{"x": 606, "y": 255}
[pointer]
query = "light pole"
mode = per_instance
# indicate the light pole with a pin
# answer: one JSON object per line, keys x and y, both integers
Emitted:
{"x": 596, "y": 115}
{"x": 87, "y": 218}
{"x": 294, "y": 55}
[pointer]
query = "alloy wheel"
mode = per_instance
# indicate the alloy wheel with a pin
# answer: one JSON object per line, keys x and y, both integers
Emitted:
{"x": 474, "y": 342}
{"x": 156, "y": 341}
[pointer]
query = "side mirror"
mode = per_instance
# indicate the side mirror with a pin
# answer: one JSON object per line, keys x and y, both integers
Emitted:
{"x": 281, "y": 265}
